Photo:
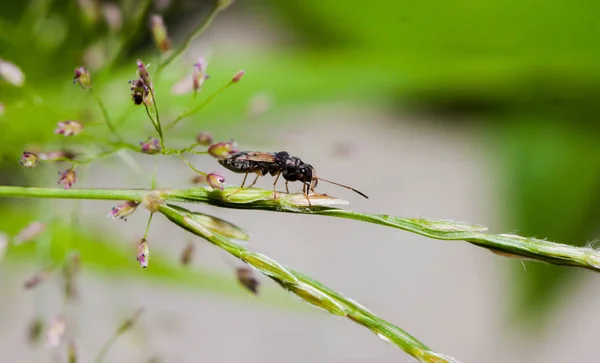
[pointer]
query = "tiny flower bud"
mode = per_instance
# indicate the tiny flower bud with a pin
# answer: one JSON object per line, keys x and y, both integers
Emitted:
{"x": 29, "y": 159}
{"x": 30, "y": 232}
{"x": 123, "y": 211}
{"x": 204, "y": 138}
{"x": 90, "y": 10}
{"x": 57, "y": 155}
{"x": 247, "y": 277}
{"x": 140, "y": 93}
{"x": 67, "y": 178}
{"x": 95, "y": 57}
{"x": 143, "y": 73}
{"x": 186, "y": 255}
{"x": 151, "y": 146}
{"x": 37, "y": 279}
{"x": 152, "y": 200}
{"x": 215, "y": 181}
{"x": 199, "y": 179}
{"x": 112, "y": 16}
{"x": 199, "y": 74}
{"x": 56, "y": 331}
{"x": 223, "y": 149}
{"x": 11, "y": 73}
{"x": 159, "y": 32}
{"x": 238, "y": 76}
{"x": 258, "y": 105}
{"x": 68, "y": 128}
{"x": 82, "y": 78}
{"x": 34, "y": 330}
{"x": 143, "y": 253}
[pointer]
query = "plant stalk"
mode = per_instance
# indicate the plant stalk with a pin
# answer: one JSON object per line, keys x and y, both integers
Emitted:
{"x": 507, "y": 245}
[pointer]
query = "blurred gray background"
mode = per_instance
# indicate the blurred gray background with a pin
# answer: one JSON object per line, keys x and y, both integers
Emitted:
{"x": 457, "y": 298}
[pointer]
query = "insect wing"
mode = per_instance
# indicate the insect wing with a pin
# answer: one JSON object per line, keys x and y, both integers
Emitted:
{"x": 255, "y": 156}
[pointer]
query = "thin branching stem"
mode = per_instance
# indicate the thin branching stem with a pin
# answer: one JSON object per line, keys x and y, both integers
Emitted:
{"x": 198, "y": 107}
{"x": 508, "y": 245}
{"x": 111, "y": 127}
{"x": 148, "y": 225}
{"x": 151, "y": 117}
{"x": 124, "y": 327}
{"x": 191, "y": 166}
{"x": 105, "y": 348}
{"x": 157, "y": 119}
{"x": 200, "y": 28}
{"x": 306, "y": 288}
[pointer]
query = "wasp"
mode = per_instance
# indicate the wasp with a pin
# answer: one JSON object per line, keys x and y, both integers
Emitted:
{"x": 278, "y": 164}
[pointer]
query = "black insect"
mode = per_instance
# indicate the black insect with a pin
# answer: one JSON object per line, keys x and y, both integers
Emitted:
{"x": 277, "y": 164}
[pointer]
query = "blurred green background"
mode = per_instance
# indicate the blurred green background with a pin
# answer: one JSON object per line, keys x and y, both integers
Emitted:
{"x": 524, "y": 75}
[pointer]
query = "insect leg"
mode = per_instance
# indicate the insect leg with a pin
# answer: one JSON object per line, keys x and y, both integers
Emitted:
{"x": 244, "y": 181}
{"x": 287, "y": 190}
{"x": 254, "y": 182}
{"x": 242, "y": 186}
{"x": 274, "y": 190}
{"x": 305, "y": 190}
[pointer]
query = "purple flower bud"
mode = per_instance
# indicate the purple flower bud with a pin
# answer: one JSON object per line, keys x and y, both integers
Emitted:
{"x": 144, "y": 75}
{"x": 143, "y": 253}
{"x": 29, "y": 159}
{"x": 124, "y": 210}
{"x": 112, "y": 16}
{"x": 204, "y": 138}
{"x": 90, "y": 10}
{"x": 57, "y": 155}
{"x": 29, "y": 233}
{"x": 238, "y": 76}
{"x": 258, "y": 105}
{"x": 215, "y": 181}
{"x": 186, "y": 255}
{"x": 151, "y": 146}
{"x": 140, "y": 93}
{"x": 223, "y": 149}
{"x": 11, "y": 73}
{"x": 159, "y": 32}
{"x": 247, "y": 277}
{"x": 199, "y": 74}
{"x": 68, "y": 128}
{"x": 67, "y": 178}
{"x": 37, "y": 279}
{"x": 56, "y": 331}
{"x": 82, "y": 78}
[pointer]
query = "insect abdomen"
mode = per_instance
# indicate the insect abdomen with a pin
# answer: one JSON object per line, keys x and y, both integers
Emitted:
{"x": 236, "y": 165}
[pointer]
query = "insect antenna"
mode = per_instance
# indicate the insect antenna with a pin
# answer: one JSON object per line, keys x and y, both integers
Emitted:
{"x": 341, "y": 185}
